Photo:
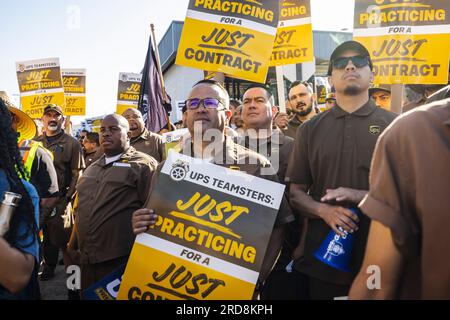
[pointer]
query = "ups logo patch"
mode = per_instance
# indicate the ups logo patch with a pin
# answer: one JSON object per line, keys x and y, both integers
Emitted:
{"x": 375, "y": 130}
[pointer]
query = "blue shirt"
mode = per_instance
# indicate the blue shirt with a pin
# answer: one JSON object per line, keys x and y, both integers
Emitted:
{"x": 32, "y": 249}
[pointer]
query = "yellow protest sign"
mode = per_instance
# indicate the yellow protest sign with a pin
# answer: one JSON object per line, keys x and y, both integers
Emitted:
{"x": 409, "y": 40}
{"x": 229, "y": 36}
{"x": 74, "y": 81}
{"x": 40, "y": 84}
{"x": 294, "y": 40}
{"x": 128, "y": 92}
{"x": 210, "y": 236}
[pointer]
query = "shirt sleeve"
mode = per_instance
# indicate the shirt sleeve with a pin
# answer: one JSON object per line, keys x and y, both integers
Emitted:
{"x": 77, "y": 159}
{"x": 390, "y": 184}
{"x": 44, "y": 175}
{"x": 299, "y": 170}
{"x": 145, "y": 179}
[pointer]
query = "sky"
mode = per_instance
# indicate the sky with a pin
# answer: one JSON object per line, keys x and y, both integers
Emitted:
{"x": 106, "y": 37}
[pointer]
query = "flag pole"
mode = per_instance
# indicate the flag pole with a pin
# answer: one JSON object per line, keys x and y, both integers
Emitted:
{"x": 158, "y": 65}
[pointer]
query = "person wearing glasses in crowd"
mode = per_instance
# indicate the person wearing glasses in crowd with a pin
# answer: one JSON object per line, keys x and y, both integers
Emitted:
{"x": 207, "y": 113}
{"x": 329, "y": 171}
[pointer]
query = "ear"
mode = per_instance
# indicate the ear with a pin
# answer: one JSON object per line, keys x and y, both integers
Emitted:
{"x": 314, "y": 97}
{"x": 330, "y": 81}
{"x": 372, "y": 77}
{"x": 228, "y": 114}
{"x": 274, "y": 112}
{"x": 129, "y": 135}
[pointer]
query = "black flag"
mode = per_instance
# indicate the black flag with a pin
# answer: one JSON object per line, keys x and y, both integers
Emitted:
{"x": 151, "y": 102}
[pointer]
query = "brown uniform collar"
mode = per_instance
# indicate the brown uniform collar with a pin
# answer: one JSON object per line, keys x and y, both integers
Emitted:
{"x": 125, "y": 157}
{"x": 281, "y": 137}
{"x": 145, "y": 135}
{"x": 227, "y": 151}
{"x": 366, "y": 110}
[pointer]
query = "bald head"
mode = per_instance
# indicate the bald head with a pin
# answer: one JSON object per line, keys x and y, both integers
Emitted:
{"x": 114, "y": 135}
{"x": 135, "y": 120}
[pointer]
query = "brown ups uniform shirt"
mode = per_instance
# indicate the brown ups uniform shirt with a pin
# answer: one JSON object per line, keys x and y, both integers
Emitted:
{"x": 90, "y": 158}
{"x": 236, "y": 157}
{"x": 292, "y": 127}
{"x": 67, "y": 156}
{"x": 149, "y": 143}
{"x": 278, "y": 148}
{"x": 108, "y": 194}
{"x": 410, "y": 194}
{"x": 334, "y": 149}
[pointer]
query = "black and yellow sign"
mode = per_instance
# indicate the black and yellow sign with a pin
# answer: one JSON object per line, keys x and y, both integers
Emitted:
{"x": 229, "y": 36}
{"x": 40, "y": 84}
{"x": 74, "y": 81}
{"x": 409, "y": 40}
{"x": 128, "y": 92}
{"x": 210, "y": 237}
{"x": 294, "y": 40}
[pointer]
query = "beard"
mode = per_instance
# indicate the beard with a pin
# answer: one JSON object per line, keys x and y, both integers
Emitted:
{"x": 304, "y": 112}
{"x": 352, "y": 90}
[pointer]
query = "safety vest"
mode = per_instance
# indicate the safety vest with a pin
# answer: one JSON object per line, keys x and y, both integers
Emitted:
{"x": 28, "y": 150}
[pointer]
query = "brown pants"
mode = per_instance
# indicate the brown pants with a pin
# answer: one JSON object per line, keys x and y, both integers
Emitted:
{"x": 92, "y": 273}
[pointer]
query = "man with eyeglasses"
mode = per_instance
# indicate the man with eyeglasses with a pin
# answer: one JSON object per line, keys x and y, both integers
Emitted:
{"x": 207, "y": 113}
{"x": 301, "y": 98}
{"x": 141, "y": 138}
{"x": 329, "y": 170}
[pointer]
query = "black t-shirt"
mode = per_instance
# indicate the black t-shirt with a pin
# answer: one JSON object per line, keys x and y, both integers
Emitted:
{"x": 43, "y": 174}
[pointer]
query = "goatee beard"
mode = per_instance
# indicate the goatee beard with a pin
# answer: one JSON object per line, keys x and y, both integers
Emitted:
{"x": 352, "y": 91}
{"x": 304, "y": 113}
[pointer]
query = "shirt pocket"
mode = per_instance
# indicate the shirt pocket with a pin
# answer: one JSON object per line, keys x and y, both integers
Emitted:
{"x": 120, "y": 176}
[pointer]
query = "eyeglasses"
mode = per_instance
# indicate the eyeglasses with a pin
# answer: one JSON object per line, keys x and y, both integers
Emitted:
{"x": 358, "y": 61}
{"x": 208, "y": 103}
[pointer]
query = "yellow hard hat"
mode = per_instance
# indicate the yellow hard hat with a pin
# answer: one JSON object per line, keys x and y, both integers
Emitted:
{"x": 25, "y": 125}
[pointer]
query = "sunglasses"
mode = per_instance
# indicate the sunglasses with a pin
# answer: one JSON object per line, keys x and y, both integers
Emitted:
{"x": 208, "y": 103}
{"x": 358, "y": 61}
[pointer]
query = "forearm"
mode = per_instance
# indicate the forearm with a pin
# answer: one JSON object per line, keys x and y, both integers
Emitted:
{"x": 15, "y": 267}
{"x": 304, "y": 204}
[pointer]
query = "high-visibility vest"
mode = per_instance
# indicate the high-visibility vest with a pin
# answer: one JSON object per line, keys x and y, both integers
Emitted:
{"x": 28, "y": 150}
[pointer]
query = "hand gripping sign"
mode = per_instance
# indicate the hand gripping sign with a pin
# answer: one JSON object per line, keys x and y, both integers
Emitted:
{"x": 210, "y": 237}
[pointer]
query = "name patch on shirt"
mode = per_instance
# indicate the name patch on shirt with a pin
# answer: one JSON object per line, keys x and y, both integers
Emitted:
{"x": 120, "y": 164}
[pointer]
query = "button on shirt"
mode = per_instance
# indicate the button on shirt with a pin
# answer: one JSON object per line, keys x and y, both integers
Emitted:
{"x": 332, "y": 150}
{"x": 108, "y": 195}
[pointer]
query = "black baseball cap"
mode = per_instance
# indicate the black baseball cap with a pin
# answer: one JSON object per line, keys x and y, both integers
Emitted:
{"x": 345, "y": 46}
{"x": 53, "y": 107}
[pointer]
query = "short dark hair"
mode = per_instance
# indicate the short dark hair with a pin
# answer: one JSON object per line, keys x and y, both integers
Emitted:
{"x": 235, "y": 103}
{"x": 306, "y": 84}
{"x": 94, "y": 137}
{"x": 218, "y": 84}
{"x": 84, "y": 130}
{"x": 262, "y": 86}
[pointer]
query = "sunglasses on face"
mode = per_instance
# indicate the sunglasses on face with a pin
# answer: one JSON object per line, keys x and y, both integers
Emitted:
{"x": 358, "y": 61}
{"x": 208, "y": 103}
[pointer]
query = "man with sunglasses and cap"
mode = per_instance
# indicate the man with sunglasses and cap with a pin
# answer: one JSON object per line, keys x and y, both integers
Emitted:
{"x": 329, "y": 170}
{"x": 68, "y": 161}
{"x": 207, "y": 114}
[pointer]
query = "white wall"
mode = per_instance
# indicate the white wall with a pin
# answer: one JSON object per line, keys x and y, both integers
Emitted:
{"x": 179, "y": 81}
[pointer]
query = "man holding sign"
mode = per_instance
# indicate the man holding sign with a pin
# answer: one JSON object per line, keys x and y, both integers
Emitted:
{"x": 207, "y": 111}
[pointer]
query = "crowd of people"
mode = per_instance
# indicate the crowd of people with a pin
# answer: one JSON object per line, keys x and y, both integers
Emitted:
{"x": 354, "y": 169}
